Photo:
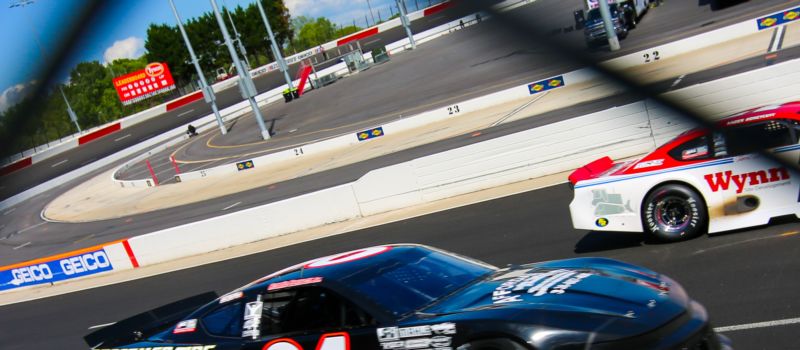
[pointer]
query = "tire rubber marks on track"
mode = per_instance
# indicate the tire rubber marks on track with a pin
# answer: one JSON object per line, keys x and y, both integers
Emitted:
{"x": 784, "y": 322}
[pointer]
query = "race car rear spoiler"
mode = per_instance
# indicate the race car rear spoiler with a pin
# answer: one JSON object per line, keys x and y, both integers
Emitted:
{"x": 591, "y": 170}
{"x": 136, "y": 328}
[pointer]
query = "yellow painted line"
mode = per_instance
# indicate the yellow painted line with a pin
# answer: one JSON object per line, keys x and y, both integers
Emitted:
{"x": 791, "y": 233}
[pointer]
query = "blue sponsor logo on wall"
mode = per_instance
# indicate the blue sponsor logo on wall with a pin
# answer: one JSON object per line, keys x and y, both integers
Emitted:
{"x": 370, "y": 134}
{"x": 84, "y": 264}
{"x": 547, "y": 84}
{"x": 778, "y": 19}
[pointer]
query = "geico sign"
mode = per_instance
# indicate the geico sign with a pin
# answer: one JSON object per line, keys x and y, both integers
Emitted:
{"x": 32, "y": 273}
{"x": 84, "y": 263}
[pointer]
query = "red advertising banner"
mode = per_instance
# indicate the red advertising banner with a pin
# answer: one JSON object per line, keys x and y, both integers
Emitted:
{"x": 150, "y": 81}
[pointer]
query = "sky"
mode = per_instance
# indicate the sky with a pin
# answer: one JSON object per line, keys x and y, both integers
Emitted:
{"x": 121, "y": 31}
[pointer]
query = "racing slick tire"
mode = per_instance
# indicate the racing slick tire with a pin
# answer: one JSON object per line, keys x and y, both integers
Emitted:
{"x": 674, "y": 212}
{"x": 492, "y": 344}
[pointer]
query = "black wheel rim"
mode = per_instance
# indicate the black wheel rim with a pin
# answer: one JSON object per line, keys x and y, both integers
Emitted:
{"x": 673, "y": 213}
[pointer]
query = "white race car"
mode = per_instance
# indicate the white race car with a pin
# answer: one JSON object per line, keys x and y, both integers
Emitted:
{"x": 697, "y": 182}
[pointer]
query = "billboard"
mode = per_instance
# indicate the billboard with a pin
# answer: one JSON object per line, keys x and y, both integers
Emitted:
{"x": 150, "y": 81}
{"x": 66, "y": 267}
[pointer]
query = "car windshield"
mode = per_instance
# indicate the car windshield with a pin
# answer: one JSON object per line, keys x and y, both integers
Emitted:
{"x": 414, "y": 279}
{"x": 594, "y": 14}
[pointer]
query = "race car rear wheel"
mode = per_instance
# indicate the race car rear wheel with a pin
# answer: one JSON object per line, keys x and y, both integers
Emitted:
{"x": 674, "y": 212}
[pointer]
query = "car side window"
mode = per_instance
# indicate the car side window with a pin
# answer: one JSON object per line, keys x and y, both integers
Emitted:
{"x": 694, "y": 149}
{"x": 309, "y": 309}
{"x": 760, "y": 136}
{"x": 225, "y": 321}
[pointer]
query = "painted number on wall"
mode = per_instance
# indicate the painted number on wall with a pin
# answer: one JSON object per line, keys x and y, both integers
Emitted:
{"x": 453, "y": 110}
{"x": 298, "y": 151}
{"x": 652, "y": 57}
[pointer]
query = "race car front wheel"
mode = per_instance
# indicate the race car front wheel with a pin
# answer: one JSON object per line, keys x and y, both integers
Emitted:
{"x": 674, "y": 212}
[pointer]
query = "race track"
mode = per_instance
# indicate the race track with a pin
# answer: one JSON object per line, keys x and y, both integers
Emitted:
{"x": 741, "y": 277}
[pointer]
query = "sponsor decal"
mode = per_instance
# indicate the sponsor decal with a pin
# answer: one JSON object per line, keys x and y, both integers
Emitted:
{"x": 750, "y": 181}
{"x": 370, "y": 134}
{"x": 436, "y": 336}
{"x": 601, "y": 222}
{"x": 148, "y": 82}
{"x": 749, "y": 119}
{"x": 294, "y": 283}
{"x": 609, "y": 203}
{"x": 248, "y": 164}
{"x": 779, "y": 18}
{"x": 230, "y": 297}
{"x": 84, "y": 264}
{"x": 185, "y": 326}
{"x": 649, "y": 164}
{"x": 252, "y": 319}
{"x": 537, "y": 284}
{"x": 547, "y": 84}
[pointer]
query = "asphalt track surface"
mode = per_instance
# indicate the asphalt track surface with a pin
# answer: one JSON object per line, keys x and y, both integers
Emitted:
{"x": 490, "y": 70}
{"x": 741, "y": 277}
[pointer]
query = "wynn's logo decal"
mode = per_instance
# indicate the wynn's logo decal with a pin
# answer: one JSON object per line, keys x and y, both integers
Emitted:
{"x": 723, "y": 180}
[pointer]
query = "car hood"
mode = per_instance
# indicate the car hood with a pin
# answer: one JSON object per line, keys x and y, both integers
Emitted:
{"x": 612, "y": 298}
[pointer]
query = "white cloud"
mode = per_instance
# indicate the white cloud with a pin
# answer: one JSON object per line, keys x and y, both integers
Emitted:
{"x": 14, "y": 94}
{"x": 343, "y": 11}
{"x": 132, "y": 47}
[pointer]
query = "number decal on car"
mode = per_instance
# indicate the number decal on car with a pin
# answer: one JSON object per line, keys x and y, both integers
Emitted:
{"x": 328, "y": 341}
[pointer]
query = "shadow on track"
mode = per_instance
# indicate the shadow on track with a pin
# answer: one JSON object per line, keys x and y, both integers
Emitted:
{"x": 595, "y": 241}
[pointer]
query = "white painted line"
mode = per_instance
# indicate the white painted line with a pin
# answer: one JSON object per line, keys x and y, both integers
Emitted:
{"x": 740, "y": 327}
{"x": 371, "y": 41}
{"x": 9, "y": 211}
{"x": 101, "y": 325}
{"x": 22, "y": 245}
{"x": 185, "y": 113}
{"x": 232, "y": 205}
{"x": 59, "y": 163}
{"x": 31, "y": 227}
{"x": 777, "y": 39}
{"x": 122, "y": 138}
{"x": 677, "y": 81}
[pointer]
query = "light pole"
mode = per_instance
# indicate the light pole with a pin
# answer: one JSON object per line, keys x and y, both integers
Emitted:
{"x": 611, "y": 32}
{"x": 238, "y": 37}
{"x": 276, "y": 51}
{"x": 370, "y": 13}
{"x": 70, "y": 112}
{"x": 208, "y": 92}
{"x": 401, "y": 5}
{"x": 246, "y": 85}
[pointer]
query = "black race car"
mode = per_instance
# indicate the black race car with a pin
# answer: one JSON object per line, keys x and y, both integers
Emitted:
{"x": 416, "y": 297}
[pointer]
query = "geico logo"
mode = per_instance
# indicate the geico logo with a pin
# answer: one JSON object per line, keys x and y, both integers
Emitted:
{"x": 32, "y": 273}
{"x": 86, "y": 262}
